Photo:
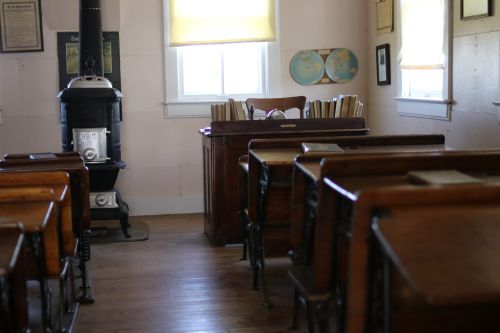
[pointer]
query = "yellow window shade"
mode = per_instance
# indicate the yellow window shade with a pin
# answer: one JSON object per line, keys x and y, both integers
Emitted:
{"x": 193, "y": 22}
{"x": 422, "y": 33}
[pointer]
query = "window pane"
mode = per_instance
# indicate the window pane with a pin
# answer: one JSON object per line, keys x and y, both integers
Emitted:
{"x": 422, "y": 83}
{"x": 242, "y": 68}
{"x": 201, "y": 68}
{"x": 422, "y": 44}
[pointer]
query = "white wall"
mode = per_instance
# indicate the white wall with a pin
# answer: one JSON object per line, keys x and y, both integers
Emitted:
{"x": 474, "y": 122}
{"x": 163, "y": 156}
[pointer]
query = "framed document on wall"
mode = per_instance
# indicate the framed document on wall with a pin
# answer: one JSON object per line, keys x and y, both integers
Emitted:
{"x": 383, "y": 57}
{"x": 471, "y": 9}
{"x": 20, "y": 26}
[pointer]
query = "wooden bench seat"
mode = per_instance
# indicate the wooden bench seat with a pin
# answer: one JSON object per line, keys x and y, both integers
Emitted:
{"x": 35, "y": 209}
{"x": 13, "y": 290}
{"x": 71, "y": 163}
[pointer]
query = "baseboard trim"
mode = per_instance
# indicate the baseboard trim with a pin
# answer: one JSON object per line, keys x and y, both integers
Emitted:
{"x": 164, "y": 205}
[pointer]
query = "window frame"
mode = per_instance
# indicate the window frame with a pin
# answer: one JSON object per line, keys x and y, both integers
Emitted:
{"x": 434, "y": 108}
{"x": 174, "y": 107}
{"x": 210, "y": 97}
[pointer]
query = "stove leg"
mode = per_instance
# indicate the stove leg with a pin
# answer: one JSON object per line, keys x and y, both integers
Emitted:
{"x": 123, "y": 216}
{"x": 124, "y": 224}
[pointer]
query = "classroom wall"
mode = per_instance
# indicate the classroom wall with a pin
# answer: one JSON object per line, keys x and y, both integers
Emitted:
{"x": 163, "y": 156}
{"x": 474, "y": 119}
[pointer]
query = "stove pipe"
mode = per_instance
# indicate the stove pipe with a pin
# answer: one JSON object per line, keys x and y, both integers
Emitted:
{"x": 91, "y": 62}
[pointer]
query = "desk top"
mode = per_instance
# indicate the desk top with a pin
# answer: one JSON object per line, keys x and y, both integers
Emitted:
{"x": 285, "y": 156}
{"x": 448, "y": 254}
{"x": 68, "y": 164}
{"x": 33, "y": 215}
{"x": 285, "y": 126}
{"x": 59, "y": 191}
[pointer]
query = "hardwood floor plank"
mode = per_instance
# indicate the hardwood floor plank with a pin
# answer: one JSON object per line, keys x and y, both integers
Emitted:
{"x": 176, "y": 282}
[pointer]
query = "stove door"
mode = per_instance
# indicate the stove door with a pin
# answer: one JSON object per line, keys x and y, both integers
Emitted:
{"x": 91, "y": 144}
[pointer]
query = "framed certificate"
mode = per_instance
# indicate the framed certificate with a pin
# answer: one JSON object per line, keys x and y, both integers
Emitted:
{"x": 20, "y": 26}
{"x": 471, "y": 9}
{"x": 383, "y": 65}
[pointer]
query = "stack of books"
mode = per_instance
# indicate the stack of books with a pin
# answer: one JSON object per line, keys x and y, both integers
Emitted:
{"x": 230, "y": 110}
{"x": 341, "y": 106}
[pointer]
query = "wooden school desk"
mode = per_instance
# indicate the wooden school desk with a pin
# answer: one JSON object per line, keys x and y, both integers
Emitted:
{"x": 270, "y": 166}
{"x": 348, "y": 178}
{"x": 447, "y": 256}
{"x": 34, "y": 209}
{"x": 13, "y": 291}
{"x": 71, "y": 163}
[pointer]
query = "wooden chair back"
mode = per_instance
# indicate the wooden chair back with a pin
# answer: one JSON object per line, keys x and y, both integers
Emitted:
{"x": 282, "y": 104}
{"x": 56, "y": 179}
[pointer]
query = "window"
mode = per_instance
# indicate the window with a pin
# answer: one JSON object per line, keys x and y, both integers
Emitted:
{"x": 215, "y": 72}
{"x": 424, "y": 61}
{"x": 205, "y": 61}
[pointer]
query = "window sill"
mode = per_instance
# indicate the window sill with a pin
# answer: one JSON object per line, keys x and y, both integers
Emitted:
{"x": 188, "y": 109}
{"x": 432, "y": 108}
{"x": 423, "y": 100}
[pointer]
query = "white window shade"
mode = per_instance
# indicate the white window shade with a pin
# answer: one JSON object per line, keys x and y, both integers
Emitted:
{"x": 193, "y": 22}
{"x": 422, "y": 34}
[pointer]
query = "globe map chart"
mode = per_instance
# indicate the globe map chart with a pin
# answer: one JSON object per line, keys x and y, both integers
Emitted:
{"x": 308, "y": 67}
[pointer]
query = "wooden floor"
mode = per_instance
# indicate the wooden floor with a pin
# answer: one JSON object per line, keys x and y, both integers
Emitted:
{"x": 176, "y": 282}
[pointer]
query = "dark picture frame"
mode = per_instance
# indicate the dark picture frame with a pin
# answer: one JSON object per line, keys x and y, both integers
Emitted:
{"x": 21, "y": 26}
{"x": 472, "y": 9}
{"x": 68, "y": 52}
{"x": 383, "y": 59}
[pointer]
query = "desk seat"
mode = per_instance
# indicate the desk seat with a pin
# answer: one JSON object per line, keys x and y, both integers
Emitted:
{"x": 34, "y": 209}
{"x": 13, "y": 291}
{"x": 71, "y": 163}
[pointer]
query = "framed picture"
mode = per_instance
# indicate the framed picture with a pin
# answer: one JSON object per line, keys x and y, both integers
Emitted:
{"x": 20, "y": 26}
{"x": 68, "y": 45}
{"x": 383, "y": 56}
{"x": 471, "y": 9}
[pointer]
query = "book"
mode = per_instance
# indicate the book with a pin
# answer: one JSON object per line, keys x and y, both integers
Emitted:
{"x": 311, "y": 110}
{"x": 441, "y": 177}
{"x": 359, "y": 109}
{"x": 338, "y": 107}
{"x": 331, "y": 111}
{"x": 227, "y": 107}
{"x": 352, "y": 106}
{"x": 239, "y": 111}
{"x": 313, "y": 147}
{"x": 345, "y": 106}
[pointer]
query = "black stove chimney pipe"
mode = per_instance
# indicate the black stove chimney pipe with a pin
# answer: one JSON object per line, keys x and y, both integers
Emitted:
{"x": 90, "y": 38}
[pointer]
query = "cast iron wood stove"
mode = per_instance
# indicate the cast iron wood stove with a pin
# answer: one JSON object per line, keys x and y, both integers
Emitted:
{"x": 90, "y": 121}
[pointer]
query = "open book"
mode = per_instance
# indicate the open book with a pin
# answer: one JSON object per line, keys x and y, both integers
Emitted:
{"x": 441, "y": 177}
{"x": 312, "y": 147}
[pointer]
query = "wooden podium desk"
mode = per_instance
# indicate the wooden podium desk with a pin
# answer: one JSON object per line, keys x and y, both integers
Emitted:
{"x": 224, "y": 142}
